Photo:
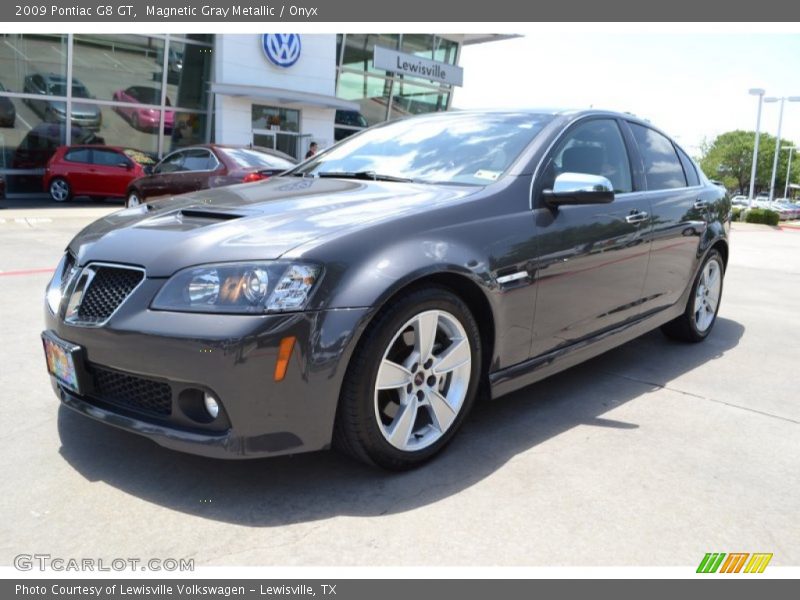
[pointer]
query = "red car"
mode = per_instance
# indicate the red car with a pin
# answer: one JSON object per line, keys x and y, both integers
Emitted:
{"x": 94, "y": 171}
{"x": 143, "y": 119}
{"x": 207, "y": 166}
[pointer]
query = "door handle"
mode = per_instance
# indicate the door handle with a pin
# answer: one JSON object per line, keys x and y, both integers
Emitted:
{"x": 700, "y": 204}
{"x": 636, "y": 217}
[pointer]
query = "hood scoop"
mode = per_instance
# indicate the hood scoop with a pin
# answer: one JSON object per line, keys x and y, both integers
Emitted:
{"x": 187, "y": 219}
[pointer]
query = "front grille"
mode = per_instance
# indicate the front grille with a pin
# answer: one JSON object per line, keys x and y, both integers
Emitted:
{"x": 107, "y": 290}
{"x": 130, "y": 391}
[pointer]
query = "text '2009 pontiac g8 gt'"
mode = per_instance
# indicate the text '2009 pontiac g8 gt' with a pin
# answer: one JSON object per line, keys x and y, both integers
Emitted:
{"x": 366, "y": 297}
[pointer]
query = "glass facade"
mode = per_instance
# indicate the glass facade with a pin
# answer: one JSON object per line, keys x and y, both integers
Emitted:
{"x": 384, "y": 95}
{"x": 151, "y": 92}
{"x": 146, "y": 92}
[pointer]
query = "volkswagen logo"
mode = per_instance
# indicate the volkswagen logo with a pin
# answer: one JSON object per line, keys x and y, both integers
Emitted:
{"x": 281, "y": 49}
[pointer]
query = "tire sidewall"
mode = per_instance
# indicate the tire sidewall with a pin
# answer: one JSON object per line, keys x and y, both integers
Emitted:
{"x": 690, "y": 312}
{"x": 423, "y": 300}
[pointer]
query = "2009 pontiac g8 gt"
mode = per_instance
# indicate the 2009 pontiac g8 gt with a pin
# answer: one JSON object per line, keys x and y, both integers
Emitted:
{"x": 364, "y": 298}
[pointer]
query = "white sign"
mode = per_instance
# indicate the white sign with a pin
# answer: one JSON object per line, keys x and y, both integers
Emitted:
{"x": 411, "y": 64}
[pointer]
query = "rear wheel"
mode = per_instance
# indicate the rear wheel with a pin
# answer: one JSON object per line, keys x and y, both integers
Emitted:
{"x": 698, "y": 319}
{"x": 60, "y": 190}
{"x": 411, "y": 382}
{"x": 132, "y": 200}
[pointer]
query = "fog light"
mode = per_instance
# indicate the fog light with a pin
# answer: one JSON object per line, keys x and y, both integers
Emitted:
{"x": 212, "y": 406}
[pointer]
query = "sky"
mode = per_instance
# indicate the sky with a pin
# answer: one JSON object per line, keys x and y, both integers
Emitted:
{"x": 694, "y": 86}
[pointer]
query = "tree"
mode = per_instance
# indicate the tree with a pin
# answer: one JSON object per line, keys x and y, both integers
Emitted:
{"x": 730, "y": 156}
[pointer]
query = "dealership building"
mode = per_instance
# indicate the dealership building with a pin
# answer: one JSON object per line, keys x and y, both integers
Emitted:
{"x": 162, "y": 92}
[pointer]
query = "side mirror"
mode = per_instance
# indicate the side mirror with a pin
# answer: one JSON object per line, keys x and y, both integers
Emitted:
{"x": 579, "y": 188}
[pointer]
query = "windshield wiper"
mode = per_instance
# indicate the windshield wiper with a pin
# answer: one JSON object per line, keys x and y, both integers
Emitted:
{"x": 371, "y": 175}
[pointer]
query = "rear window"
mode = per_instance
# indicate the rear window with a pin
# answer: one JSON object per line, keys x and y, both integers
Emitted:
{"x": 79, "y": 155}
{"x": 662, "y": 168}
{"x": 247, "y": 158}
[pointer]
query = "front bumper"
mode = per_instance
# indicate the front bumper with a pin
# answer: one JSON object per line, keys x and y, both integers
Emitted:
{"x": 231, "y": 356}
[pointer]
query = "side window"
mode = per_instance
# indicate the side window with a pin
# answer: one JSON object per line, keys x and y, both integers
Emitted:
{"x": 594, "y": 148}
{"x": 108, "y": 158}
{"x": 199, "y": 160}
{"x": 688, "y": 169}
{"x": 171, "y": 164}
{"x": 78, "y": 155}
{"x": 662, "y": 168}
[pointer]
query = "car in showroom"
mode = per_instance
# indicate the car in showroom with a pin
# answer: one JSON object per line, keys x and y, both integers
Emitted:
{"x": 365, "y": 298}
{"x": 55, "y": 111}
{"x": 144, "y": 118}
{"x": 95, "y": 171}
{"x": 8, "y": 114}
{"x": 207, "y": 166}
{"x": 41, "y": 142}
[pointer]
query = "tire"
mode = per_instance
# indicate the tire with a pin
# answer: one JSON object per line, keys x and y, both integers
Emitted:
{"x": 132, "y": 199}
{"x": 697, "y": 321}
{"x": 436, "y": 395}
{"x": 59, "y": 189}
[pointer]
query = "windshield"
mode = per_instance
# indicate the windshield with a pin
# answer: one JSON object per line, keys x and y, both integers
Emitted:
{"x": 461, "y": 148}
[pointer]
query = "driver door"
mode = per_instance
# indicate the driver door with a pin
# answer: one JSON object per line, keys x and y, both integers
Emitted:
{"x": 592, "y": 258}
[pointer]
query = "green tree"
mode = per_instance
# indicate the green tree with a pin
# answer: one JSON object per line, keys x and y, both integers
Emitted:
{"x": 730, "y": 156}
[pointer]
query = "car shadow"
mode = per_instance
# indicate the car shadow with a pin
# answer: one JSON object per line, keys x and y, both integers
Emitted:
{"x": 309, "y": 487}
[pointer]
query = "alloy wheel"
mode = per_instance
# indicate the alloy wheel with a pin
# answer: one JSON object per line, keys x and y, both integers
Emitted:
{"x": 707, "y": 294}
{"x": 422, "y": 380}
{"x": 59, "y": 190}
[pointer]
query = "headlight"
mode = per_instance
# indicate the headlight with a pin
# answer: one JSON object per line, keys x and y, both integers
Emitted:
{"x": 55, "y": 289}
{"x": 256, "y": 287}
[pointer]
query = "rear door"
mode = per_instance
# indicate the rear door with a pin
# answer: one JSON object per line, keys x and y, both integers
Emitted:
{"x": 163, "y": 179}
{"x": 199, "y": 165}
{"x": 591, "y": 259}
{"x": 112, "y": 172}
{"x": 679, "y": 215}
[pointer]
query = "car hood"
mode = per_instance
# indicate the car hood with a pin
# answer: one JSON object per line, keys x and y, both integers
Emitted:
{"x": 250, "y": 221}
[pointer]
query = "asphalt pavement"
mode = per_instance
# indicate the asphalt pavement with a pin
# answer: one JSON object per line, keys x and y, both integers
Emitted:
{"x": 652, "y": 454}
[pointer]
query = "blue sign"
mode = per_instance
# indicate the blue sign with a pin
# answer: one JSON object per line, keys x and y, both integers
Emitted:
{"x": 281, "y": 49}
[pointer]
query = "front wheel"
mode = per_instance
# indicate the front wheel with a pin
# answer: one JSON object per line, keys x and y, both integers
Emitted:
{"x": 132, "y": 200}
{"x": 698, "y": 319}
{"x": 411, "y": 382}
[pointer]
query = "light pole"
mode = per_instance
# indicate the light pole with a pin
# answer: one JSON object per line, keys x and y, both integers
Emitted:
{"x": 788, "y": 169}
{"x": 782, "y": 100}
{"x": 760, "y": 93}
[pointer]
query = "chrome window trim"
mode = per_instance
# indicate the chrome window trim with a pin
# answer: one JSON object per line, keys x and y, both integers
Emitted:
{"x": 89, "y": 266}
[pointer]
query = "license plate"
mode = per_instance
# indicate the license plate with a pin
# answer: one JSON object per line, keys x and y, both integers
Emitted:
{"x": 63, "y": 361}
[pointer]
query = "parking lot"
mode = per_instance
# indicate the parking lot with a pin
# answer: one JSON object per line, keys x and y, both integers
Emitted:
{"x": 652, "y": 454}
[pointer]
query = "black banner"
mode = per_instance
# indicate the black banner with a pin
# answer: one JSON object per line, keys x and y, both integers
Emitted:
{"x": 328, "y": 11}
{"x": 391, "y": 589}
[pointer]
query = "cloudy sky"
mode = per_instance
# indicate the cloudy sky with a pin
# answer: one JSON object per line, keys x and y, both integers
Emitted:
{"x": 692, "y": 85}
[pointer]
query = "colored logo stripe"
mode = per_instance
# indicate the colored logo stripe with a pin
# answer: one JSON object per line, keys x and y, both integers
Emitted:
{"x": 713, "y": 562}
{"x": 758, "y": 563}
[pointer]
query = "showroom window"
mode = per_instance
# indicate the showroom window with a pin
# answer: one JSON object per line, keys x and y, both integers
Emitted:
{"x": 384, "y": 95}
{"x": 149, "y": 93}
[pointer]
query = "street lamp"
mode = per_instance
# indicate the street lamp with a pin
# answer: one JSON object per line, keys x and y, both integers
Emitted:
{"x": 782, "y": 99}
{"x": 760, "y": 93}
{"x": 788, "y": 169}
